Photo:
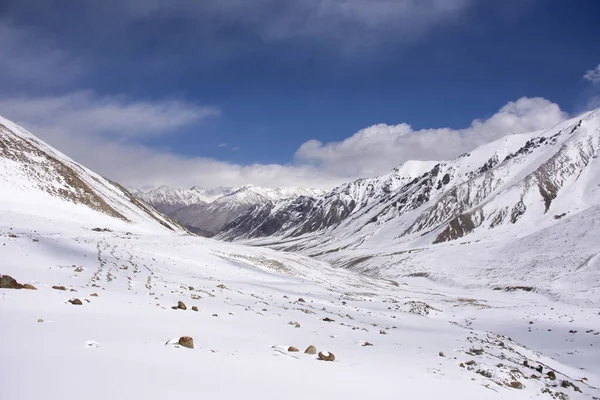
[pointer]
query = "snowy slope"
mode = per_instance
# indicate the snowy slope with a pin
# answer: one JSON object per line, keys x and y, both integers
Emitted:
{"x": 413, "y": 337}
{"x": 41, "y": 182}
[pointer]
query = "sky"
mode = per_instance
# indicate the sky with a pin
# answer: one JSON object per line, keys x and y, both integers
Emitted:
{"x": 307, "y": 93}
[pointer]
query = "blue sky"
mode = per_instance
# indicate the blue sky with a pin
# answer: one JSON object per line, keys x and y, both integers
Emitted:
{"x": 279, "y": 92}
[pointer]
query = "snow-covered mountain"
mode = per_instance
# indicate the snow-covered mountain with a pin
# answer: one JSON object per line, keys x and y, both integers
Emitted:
{"x": 519, "y": 189}
{"x": 206, "y": 211}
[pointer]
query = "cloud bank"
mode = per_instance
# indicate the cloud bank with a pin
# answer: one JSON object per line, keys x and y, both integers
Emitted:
{"x": 106, "y": 134}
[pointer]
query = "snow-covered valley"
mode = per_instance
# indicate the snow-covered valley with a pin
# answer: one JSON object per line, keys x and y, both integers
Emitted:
{"x": 434, "y": 331}
{"x": 114, "y": 345}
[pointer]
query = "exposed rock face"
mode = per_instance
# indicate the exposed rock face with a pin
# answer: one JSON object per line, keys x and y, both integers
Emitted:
{"x": 186, "y": 341}
{"x": 326, "y": 356}
{"x": 311, "y": 350}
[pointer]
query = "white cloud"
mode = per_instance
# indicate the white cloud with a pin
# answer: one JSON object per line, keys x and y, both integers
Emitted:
{"x": 379, "y": 148}
{"x": 593, "y": 75}
{"x": 222, "y": 145}
{"x": 371, "y": 151}
{"x": 85, "y": 114}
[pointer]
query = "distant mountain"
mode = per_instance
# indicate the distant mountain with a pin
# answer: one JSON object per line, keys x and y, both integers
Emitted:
{"x": 206, "y": 211}
{"x": 39, "y": 181}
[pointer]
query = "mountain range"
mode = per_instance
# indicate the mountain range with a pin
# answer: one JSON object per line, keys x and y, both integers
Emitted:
{"x": 499, "y": 202}
{"x": 206, "y": 211}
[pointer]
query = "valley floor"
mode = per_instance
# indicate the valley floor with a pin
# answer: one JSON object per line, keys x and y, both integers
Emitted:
{"x": 428, "y": 341}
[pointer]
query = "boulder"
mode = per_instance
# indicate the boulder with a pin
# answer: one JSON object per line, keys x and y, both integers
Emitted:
{"x": 186, "y": 341}
{"x": 76, "y": 302}
{"x": 551, "y": 375}
{"x": 94, "y": 295}
{"x": 382, "y": 332}
{"x": 310, "y": 350}
{"x": 326, "y": 356}
{"x": 194, "y": 308}
{"x": 8, "y": 282}
{"x": 181, "y": 305}
{"x": 59, "y": 287}
{"x": 292, "y": 349}
{"x": 516, "y": 385}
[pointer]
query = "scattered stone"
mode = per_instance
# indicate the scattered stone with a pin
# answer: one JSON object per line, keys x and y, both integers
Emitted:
{"x": 173, "y": 307}
{"x": 293, "y": 349}
{"x": 215, "y": 315}
{"x": 365, "y": 344}
{"x": 310, "y": 350}
{"x": 186, "y": 341}
{"x": 181, "y": 305}
{"x": 327, "y": 319}
{"x": 484, "y": 372}
{"x": 221, "y": 286}
{"x": 194, "y": 308}
{"x": 79, "y": 269}
{"x": 516, "y": 385}
{"x": 76, "y": 302}
{"x": 59, "y": 288}
{"x": 94, "y": 295}
{"x": 551, "y": 375}
{"x": 326, "y": 356}
{"x": 382, "y": 332}
{"x": 567, "y": 384}
{"x": 470, "y": 362}
{"x": 441, "y": 354}
{"x": 301, "y": 300}
{"x": 294, "y": 323}
{"x": 40, "y": 320}
{"x": 475, "y": 352}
